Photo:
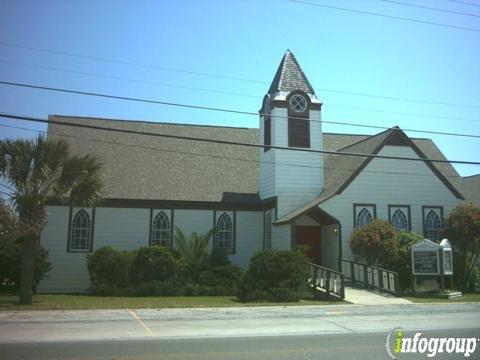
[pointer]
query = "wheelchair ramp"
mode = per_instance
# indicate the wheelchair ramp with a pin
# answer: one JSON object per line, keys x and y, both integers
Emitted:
{"x": 361, "y": 296}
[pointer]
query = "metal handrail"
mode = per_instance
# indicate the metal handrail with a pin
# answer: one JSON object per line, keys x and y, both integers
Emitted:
{"x": 329, "y": 281}
{"x": 377, "y": 281}
{"x": 326, "y": 269}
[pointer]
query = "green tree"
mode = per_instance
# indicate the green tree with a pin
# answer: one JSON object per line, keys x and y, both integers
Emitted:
{"x": 36, "y": 172}
{"x": 381, "y": 245}
{"x": 373, "y": 241}
{"x": 193, "y": 250}
{"x": 462, "y": 228}
{"x": 8, "y": 223}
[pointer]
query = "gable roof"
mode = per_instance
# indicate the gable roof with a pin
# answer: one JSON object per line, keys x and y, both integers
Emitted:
{"x": 290, "y": 76}
{"x": 143, "y": 167}
{"x": 341, "y": 170}
{"x": 147, "y": 168}
{"x": 472, "y": 185}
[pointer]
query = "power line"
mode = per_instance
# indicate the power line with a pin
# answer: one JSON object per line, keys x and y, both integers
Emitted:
{"x": 238, "y": 143}
{"x": 216, "y": 91}
{"x": 430, "y": 8}
{"x": 402, "y": 113}
{"x": 465, "y": 2}
{"x": 149, "y": 82}
{"x": 386, "y": 16}
{"x": 239, "y": 112}
{"x": 221, "y": 76}
{"x": 216, "y": 156}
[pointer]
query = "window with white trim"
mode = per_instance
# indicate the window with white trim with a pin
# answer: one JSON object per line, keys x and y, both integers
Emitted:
{"x": 364, "y": 214}
{"x": 399, "y": 217}
{"x": 161, "y": 230}
{"x": 224, "y": 233}
{"x": 81, "y": 232}
{"x": 432, "y": 223}
{"x": 399, "y": 220}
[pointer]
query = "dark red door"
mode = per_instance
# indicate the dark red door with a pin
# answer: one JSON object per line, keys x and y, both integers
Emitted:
{"x": 310, "y": 235}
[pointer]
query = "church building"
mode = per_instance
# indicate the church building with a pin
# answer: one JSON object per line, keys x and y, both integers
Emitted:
{"x": 305, "y": 187}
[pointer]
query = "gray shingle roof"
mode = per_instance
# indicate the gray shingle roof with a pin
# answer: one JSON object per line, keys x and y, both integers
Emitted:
{"x": 290, "y": 76}
{"x": 472, "y": 185}
{"x": 152, "y": 168}
{"x": 141, "y": 167}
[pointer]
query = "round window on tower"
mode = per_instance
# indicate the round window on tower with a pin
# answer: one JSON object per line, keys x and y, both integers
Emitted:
{"x": 298, "y": 103}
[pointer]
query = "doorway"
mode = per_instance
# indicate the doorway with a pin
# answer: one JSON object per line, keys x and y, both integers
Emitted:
{"x": 310, "y": 236}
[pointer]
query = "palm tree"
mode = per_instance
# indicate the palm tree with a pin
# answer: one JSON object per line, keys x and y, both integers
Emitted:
{"x": 34, "y": 173}
{"x": 194, "y": 250}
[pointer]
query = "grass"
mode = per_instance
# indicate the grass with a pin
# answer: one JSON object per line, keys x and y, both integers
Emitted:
{"x": 464, "y": 298}
{"x": 86, "y": 302}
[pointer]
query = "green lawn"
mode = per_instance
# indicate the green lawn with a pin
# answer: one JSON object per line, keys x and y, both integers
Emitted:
{"x": 79, "y": 302}
{"x": 464, "y": 298}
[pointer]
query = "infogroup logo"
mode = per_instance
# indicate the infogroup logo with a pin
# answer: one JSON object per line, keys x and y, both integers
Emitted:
{"x": 397, "y": 343}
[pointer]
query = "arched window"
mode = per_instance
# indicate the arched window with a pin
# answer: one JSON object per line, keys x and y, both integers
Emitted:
{"x": 399, "y": 220}
{"x": 161, "y": 232}
{"x": 81, "y": 232}
{"x": 364, "y": 217}
{"x": 432, "y": 225}
{"x": 224, "y": 233}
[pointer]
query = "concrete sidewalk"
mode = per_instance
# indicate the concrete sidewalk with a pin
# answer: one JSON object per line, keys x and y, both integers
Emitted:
{"x": 96, "y": 325}
{"x": 361, "y": 296}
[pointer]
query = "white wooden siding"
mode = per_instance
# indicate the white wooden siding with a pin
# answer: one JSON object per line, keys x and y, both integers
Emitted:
{"x": 190, "y": 221}
{"x": 249, "y": 236}
{"x": 298, "y": 176}
{"x": 69, "y": 271}
{"x": 123, "y": 229}
{"x": 129, "y": 229}
{"x": 281, "y": 237}
{"x": 330, "y": 246}
{"x": 386, "y": 181}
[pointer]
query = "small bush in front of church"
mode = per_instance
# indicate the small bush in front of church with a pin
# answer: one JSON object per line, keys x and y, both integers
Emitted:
{"x": 154, "y": 263}
{"x": 157, "y": 271}
{"x": 109, "y": 268}
{"x": 373, "y": 241}
{"x": 277, "y": 276}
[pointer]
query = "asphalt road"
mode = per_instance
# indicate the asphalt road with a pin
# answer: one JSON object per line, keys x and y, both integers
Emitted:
{"x": 328, "y": 346}
{"x": 310, "y": 332}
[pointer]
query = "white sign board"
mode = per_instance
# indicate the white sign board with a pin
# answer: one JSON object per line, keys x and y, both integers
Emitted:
{"x": 425, "y": 258}
{"x": 447, "y": 257}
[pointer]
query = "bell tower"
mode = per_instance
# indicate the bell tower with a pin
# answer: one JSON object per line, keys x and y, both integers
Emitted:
{"x": 290, "y": 117}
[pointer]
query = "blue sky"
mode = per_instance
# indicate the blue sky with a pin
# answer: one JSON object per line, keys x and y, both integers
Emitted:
{"x": 339, "y": 51}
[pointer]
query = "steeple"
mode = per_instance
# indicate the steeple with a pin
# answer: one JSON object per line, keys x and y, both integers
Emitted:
{"x": 290, "y": 117}
{"x": 290, "y": 76}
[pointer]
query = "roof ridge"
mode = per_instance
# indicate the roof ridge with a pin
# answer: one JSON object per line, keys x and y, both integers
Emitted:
{"x": 366, "y": 139}
{"x": 469, "y": 176}
{"x": 151, "y": 122}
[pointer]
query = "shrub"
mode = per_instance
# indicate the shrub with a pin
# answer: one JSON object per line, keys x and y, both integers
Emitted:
{"x": 380, "y": 244}
{"x": 373, "y": 241}
{"x": 109, "y": 267}
{"x": 10, "y": 264}
{"x": 275, "y": 275}
{"x": 462, "y": 228}
{"x": 152, "y": 264}
{"x": 224, "y": 279}
{"x": 218, "y": 257}
{"x": 193, "y": 251}
{"x": 400, "y": 258}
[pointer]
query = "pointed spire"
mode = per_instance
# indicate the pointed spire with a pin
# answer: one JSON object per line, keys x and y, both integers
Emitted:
{"x": 290, "y": 76}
